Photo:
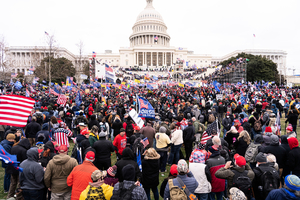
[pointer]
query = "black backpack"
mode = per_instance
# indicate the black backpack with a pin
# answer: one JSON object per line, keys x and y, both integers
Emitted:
{"x": 129, "y": 129}
{"x": 269, "y": 181}
{"x": 39, "y": 117}
{"x": 122, "y": 193}
{"x": 242, "y": 182}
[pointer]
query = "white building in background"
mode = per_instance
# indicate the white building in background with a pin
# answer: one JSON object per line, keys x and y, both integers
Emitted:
{"x": 149, "y": 46}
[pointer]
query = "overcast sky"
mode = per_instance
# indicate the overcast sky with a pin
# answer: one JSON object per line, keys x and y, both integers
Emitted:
{"x": 215, "y": 27}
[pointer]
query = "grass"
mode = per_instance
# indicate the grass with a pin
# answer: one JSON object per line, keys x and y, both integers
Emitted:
{"x": 114, "y": 160}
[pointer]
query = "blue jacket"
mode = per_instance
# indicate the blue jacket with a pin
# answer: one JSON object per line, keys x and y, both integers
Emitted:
{"x": 188, "y": 179}
{"x": 7, "y": 147}
{"x": 281, "y": 194}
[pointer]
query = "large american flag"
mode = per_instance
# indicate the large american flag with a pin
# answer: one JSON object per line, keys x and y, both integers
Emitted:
{"x": 205, "y": 137}
{"x": 62, "y": 99}
{"x": 53, "y": 92}
{"x": 61, "y": 136}
{"x": 14, "y": 110}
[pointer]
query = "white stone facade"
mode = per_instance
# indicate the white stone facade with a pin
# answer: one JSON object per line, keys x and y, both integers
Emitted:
{"x": 145, "y": 50}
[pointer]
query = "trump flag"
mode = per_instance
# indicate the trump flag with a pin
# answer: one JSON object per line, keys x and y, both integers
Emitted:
{"x": 145, "y": 108}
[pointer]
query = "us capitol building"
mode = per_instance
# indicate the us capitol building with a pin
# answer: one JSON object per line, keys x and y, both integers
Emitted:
{"x": 149, "y": 48}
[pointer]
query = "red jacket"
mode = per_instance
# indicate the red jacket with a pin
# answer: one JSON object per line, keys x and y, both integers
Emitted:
{"x": 217, "y": 184}
{"x": 120, "y": 143}
{"x": 80, "y": 177}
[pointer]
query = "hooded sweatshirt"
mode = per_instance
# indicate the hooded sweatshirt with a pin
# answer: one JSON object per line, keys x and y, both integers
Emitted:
{"x": 293, "y": 160}
{"x": 32, "y": 177}
{"x": 57, "y": 172}
{"x": 45, "y": 159}
{"x": 277, "y": 150}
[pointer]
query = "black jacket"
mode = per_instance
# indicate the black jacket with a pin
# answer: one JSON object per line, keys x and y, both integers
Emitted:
{"x": 32, "y": 129}
{"x": 103, "y": 149}
{"x": 279, "y": 152}
{"x": 92, "y": 123}
{"x": 117, "y": 125}
{"x": 128, "y": 158}
{"x": 20, "y": 150}
{"x": 189, "y": 133}
{"x": 240, "y": 146}
{"x": 150, "y": 172}
{"x": 258, "y": 171}
{"x": 293, "y": 161}
{"x": 45, "y": 159}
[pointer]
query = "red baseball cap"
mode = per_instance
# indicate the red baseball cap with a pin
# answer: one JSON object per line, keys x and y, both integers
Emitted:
{"x": 240, "y": 160}
{"x": 62, "y": 148}
{"x": 173, "y": 170}
{"x": 137, "y": 128}
{"x": 90, "y": 155}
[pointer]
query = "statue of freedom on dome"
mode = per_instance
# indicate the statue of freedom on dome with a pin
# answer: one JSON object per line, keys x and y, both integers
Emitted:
{"x": 149, "y": 1}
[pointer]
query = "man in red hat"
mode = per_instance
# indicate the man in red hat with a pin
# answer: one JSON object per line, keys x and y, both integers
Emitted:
{"x": 57, "y": 171}
{"x": 232, "y": 172}
{"x": 80, "y": 177}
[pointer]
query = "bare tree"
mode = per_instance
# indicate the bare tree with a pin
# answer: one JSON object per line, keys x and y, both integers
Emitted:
{"x": 79, "y": 67}
{"x": 52, "y": 48}
{"x": 4, "y": 58}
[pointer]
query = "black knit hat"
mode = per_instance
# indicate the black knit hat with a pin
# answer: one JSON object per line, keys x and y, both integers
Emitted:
{"x": 127, "y": 172}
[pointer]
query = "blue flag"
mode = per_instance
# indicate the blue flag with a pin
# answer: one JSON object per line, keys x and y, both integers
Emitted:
{"x": 18, "y": 85}
{"x": 216, "y": 85}
{"x": 145, "y": 108}
{"x": 9, "y": 159}
{"x": 78, "y": 99}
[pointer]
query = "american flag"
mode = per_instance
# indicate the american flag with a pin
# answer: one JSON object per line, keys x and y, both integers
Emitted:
{"x": 143, "y": 104}
{"x": 62, "y": 99}
{"x": 32, "y": 68}
{"x": 205, "y": 137}
{"x": 27, "y": 93}
{"x": 46, "y": 33}
{"x": 31, "y": 88}
{"x": 94, "y": 54}
{"x": 61, "y": 136}
{"x": 145, "y": 141}
{"x": 14, "y": 75}
{"x": 254, "y": 35}
{"x": 14, "y": 110}
{"x": 53, "y": 92}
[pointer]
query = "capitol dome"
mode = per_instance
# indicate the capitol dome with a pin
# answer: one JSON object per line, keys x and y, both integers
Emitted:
{"x": 149, "y": 28}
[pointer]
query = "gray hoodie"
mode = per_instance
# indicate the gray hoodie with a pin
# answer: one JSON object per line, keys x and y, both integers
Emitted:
{"x": 32, "y": 177}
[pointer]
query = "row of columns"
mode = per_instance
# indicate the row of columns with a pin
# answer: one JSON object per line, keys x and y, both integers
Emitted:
{"x": 149, "y": 39}
{"x": 163, "y": 56}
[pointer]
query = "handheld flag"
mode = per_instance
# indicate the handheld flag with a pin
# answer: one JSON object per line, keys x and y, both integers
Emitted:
{"x": 78, "y": 99}
{"x": 9, "y": 159}
{"x": 145, "y": 108}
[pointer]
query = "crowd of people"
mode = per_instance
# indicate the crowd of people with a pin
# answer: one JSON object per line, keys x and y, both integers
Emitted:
{"x": 204, "y": 144}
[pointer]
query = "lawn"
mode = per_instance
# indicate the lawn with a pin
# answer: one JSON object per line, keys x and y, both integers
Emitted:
{"x": 114, "y": 160}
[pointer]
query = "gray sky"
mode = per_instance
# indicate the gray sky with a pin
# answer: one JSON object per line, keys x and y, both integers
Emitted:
{"x": 215, "y": 27}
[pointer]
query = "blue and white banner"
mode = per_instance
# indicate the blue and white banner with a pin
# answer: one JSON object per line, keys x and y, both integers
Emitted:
{"x": 109, "y": 74}
{"x": 145, "y": 108}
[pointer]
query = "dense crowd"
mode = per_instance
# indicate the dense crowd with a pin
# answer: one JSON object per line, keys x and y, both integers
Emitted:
{"x": 205, "y": 144}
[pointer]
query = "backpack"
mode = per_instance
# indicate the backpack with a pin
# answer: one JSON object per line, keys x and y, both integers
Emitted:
{"x": 211, "y": 118}
{"x": 257, "y": 125}
{"x": 129, "y": 129}
{"x": 242, "y": 182}
{"x": 122, "y": 193}
{"x": 269, "y": 182}
{"x": 177, "y": 193}
{"x": 202, "y": 119}
{"x": 252, "y": 152}
{"x": 103, "y": 128}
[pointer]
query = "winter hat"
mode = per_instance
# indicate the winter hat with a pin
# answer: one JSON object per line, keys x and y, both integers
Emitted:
{"x": 258, "y": 139}
{"x": 271, "y": 158}
{"x": 237, "y": 194}
{"x": 182, "y": 166}
{"x": 81, "y": 124}
{"x": 137, "y": 128}
{"x": 293, "y": 142}
{"x": 112, "y": 171}
{"x": 127, "y": 172}
{"x": 261, "y": 157}
{"x": 122, "y": 130}
{"x": 162, "y": 129}
{"x": 274, "y": 139}
{"x": 62, "y": 148}
{"x": 268, "y": 131}
{"x": 201, "y": 145}
{"x": 239, "y": 160}
{"x": 289, "y": 128}
{"x": 173, "y": 170}
{"x": 102, "y": 134}
{"x": 292, "y": 182}
{"x": 97, "y": 174}
{"x": 10, "y": 136}
{"x": 90, "y": 156}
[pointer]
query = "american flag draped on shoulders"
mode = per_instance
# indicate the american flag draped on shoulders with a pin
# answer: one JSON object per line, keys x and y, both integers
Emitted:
{"x": 61, "y": 136}
{"x": 62, "y": 99}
